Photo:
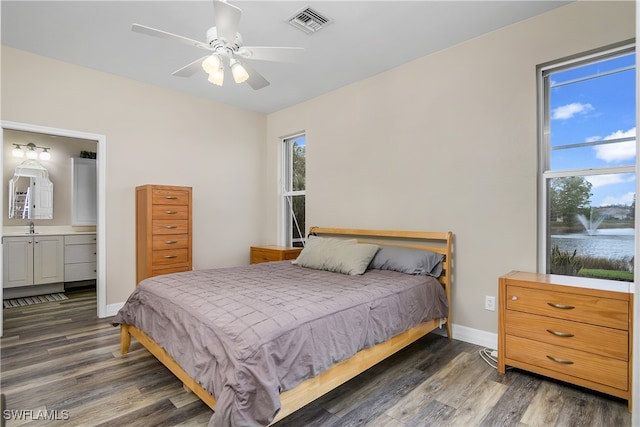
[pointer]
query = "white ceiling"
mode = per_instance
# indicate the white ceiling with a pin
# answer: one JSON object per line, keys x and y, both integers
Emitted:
{"x": 364, "y": 39}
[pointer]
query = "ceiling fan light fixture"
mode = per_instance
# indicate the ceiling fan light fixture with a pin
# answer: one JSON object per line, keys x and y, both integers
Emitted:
{"x": 240, "y": 75}
{"x": 217, "y": 77}
{"x": 223, "y": 44}
{"x": 211, "y": 63}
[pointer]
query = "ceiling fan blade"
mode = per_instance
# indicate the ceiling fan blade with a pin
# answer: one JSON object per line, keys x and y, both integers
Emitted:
{"x": 227, "y": 18}
{"x": 277, "y": 54}
{"x": 191, "y": 69}
{"x": 169, "y": 36}
{"x": 255, "y": 80}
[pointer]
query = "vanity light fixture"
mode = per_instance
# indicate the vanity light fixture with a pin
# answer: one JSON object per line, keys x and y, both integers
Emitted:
{"x": 45, "y": 155}
{"x": 17, "y": 151}
{"x": 31, "y": 151}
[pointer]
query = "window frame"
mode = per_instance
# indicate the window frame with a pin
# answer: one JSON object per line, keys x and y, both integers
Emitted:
{"x": 286, "y": 236}
{"x": 544, "y": 139}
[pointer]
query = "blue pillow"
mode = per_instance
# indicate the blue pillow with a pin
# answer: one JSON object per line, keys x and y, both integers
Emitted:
{"x": 408, "y": 260}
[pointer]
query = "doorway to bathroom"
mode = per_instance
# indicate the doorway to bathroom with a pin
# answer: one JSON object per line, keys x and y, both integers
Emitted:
{"x": 72, "y": 203}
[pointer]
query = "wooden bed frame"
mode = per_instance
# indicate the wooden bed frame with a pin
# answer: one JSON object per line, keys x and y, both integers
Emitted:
{"x": 312, "y": 388}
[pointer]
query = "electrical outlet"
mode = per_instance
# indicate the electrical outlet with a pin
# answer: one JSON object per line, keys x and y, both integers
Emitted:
{"x": 490, "y": 303}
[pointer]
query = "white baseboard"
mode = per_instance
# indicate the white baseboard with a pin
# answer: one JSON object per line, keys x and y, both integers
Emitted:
{"x": 472, "y": 336}
{"x": 475, "y": 336}
{"x": 112, "y": 309}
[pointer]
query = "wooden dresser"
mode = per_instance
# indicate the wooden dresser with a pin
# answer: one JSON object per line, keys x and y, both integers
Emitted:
{"x": 163, "y": 230}
{"x": 269, "y": 253}
{"x": 569, "y": 328}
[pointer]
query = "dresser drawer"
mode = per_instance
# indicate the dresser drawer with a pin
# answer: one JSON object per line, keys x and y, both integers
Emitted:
{"x": 169, "y": 197}
{"x": 578, "y": 336}
{"x": 165, "y": 226}
{"x": 588, "y": 366}
{"x": 582, "y": 308}
{"x": 157, "y": 271}
{"x": 80, "y": 271}
{"x": 171, "y": 256}
{"x": 79, "y": 239}
{"x": 170, "y": 241}
{"x": 259, "y": 254}
{"x": 259, "y": 257}
{"x": 79, "y": 253}
{"x": 170, "y": 212}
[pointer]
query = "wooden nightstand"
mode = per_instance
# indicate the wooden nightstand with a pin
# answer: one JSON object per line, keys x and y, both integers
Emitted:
{"x": 273, "y": 253}
{"x": 573, "y": 329}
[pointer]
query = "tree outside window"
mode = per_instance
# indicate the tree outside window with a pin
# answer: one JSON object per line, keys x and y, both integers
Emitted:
{"x": 294, "y": 191}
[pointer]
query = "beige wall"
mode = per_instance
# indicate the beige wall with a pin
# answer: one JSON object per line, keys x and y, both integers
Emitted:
{"x": 153, "y": 136}
{"x": 446, "y": 142}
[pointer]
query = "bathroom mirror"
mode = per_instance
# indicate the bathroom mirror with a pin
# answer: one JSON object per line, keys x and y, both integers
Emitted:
{"x": 30, "y": 192}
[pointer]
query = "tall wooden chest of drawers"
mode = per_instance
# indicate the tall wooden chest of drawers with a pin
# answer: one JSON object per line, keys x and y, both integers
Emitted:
{"x": 569, "y": 328}
{"x": 163, "y": 230}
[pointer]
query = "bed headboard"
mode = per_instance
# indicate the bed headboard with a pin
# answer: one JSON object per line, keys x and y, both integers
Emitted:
{"x": 441, "y": 242}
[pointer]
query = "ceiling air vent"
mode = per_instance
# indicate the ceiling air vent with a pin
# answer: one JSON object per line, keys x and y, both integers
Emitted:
{"x": 309, "y": 20}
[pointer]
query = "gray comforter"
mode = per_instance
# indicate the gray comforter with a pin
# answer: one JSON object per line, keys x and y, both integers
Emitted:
{"x": 248, "y": 333}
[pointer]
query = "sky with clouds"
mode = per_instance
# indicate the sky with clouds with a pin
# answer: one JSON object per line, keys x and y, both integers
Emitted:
{"x": 590, "y": 107}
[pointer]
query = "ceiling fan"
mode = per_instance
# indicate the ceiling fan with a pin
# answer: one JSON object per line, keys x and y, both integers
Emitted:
{"x": 225, "y": 44}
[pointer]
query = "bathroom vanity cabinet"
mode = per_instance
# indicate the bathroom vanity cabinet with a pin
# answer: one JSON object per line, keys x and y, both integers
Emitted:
{"x": 33, "y": 260}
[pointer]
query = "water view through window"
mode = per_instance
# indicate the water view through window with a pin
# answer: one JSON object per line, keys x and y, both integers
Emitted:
{"x": 589, "y": 173}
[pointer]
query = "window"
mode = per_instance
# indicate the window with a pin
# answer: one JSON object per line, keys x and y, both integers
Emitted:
{"x": 294, "y": 190}
{"x": 587, "y": 165}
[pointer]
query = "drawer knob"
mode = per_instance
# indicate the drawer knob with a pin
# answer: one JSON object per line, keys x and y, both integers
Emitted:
{"x": 171, "y": 212}
{"x": 563, "y": 361}
{"x": 560, "y": 334}
{"x": 170, "y": 226}
{"x": 170, "y": 197}
{"x": 514, "y": 298}
{"x": 170, "y": 256}
{"x": 170, "y": 242}
{"x": 561, "y": 306}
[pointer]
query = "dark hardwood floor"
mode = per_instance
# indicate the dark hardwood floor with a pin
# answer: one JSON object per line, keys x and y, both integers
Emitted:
{"x": 59, "y": 360}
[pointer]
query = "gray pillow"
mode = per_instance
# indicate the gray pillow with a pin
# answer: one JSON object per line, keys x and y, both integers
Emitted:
{"x": 337, "y": 255}
{"x": 408, "y": 260}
